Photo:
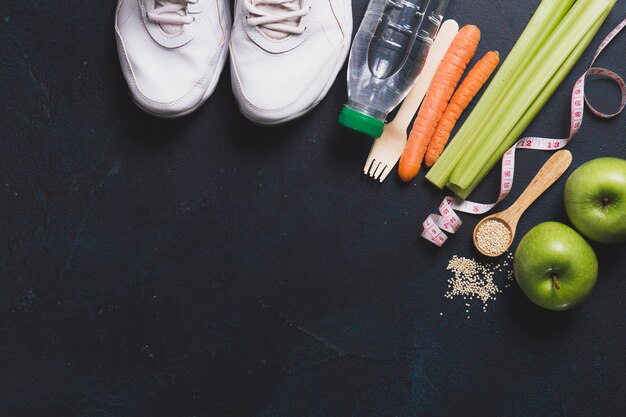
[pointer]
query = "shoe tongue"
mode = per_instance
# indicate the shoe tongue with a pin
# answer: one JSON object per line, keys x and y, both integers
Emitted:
{"x": 277, "y": 9}
{"x": 169, "y": 28}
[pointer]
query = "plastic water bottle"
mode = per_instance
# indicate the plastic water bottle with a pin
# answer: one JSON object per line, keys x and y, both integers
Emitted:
{"x": 387, "y": 55}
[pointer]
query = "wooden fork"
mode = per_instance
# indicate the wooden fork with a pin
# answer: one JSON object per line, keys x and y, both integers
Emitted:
{"x": 387, "y": 149}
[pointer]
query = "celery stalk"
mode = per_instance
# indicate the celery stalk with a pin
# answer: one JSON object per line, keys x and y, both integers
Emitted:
{"x": 544, "y": 21}
{"x": 534, "y": 109}
{"x": 561, "y": 43}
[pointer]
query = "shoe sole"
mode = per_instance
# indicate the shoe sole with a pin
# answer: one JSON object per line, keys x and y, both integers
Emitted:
{"x": 214, "y": 80}
{"x": 331, "y": 81}
{"x": 205, "y": 97}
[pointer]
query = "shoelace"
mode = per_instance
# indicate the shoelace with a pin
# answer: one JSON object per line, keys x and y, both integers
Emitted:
{"x": 276, "y": 20}
{"x": 167, "y": 12}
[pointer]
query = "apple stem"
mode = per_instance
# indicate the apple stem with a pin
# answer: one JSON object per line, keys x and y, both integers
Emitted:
{"x": 556, "y": 283}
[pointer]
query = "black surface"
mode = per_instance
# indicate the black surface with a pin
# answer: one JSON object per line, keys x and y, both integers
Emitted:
{"x": 209, "y": 267}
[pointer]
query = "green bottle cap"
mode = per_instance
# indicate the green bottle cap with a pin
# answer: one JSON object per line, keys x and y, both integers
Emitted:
{"x": 361, "y": 122}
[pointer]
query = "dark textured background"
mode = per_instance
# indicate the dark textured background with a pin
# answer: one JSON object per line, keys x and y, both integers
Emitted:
{"x": 209, "y": 267}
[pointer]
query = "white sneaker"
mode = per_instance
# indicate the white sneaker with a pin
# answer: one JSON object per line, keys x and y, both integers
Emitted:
{"x": 172, "y": 51}
{"x": 285, "y": 55}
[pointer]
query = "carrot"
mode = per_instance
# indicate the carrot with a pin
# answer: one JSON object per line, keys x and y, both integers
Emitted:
{"x": 473, "y": 82}
{"x": 446, "y": 78}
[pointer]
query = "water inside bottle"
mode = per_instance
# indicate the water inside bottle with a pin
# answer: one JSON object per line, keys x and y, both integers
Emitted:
{"x": 387, "y": 56}
{"x": 394, "y": 36}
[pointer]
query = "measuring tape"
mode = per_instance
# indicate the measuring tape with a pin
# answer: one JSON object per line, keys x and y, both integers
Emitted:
{"x": 436, "y": 225}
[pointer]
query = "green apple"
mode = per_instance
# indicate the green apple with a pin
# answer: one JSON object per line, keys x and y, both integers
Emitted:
{"x": 595, "y": 199}
{"x": 555, "y": 267}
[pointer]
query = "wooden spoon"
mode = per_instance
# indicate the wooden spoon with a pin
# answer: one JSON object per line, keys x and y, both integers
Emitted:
{"x": 547, "y": 175}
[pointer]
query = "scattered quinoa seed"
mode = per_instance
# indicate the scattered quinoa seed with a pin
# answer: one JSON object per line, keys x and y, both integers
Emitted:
{"x": 475, "y": 280}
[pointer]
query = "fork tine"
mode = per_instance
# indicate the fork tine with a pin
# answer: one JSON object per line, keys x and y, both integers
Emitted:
{"x": 375, "y": 165}
{"x": 383, "y": 173}
{"x": 371, "y": 160}
{"x": 375, "y": 173}
{"x": 379, "y": 169}
{"x": 368, "y": 165}
{"x": 386, "y": 173}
